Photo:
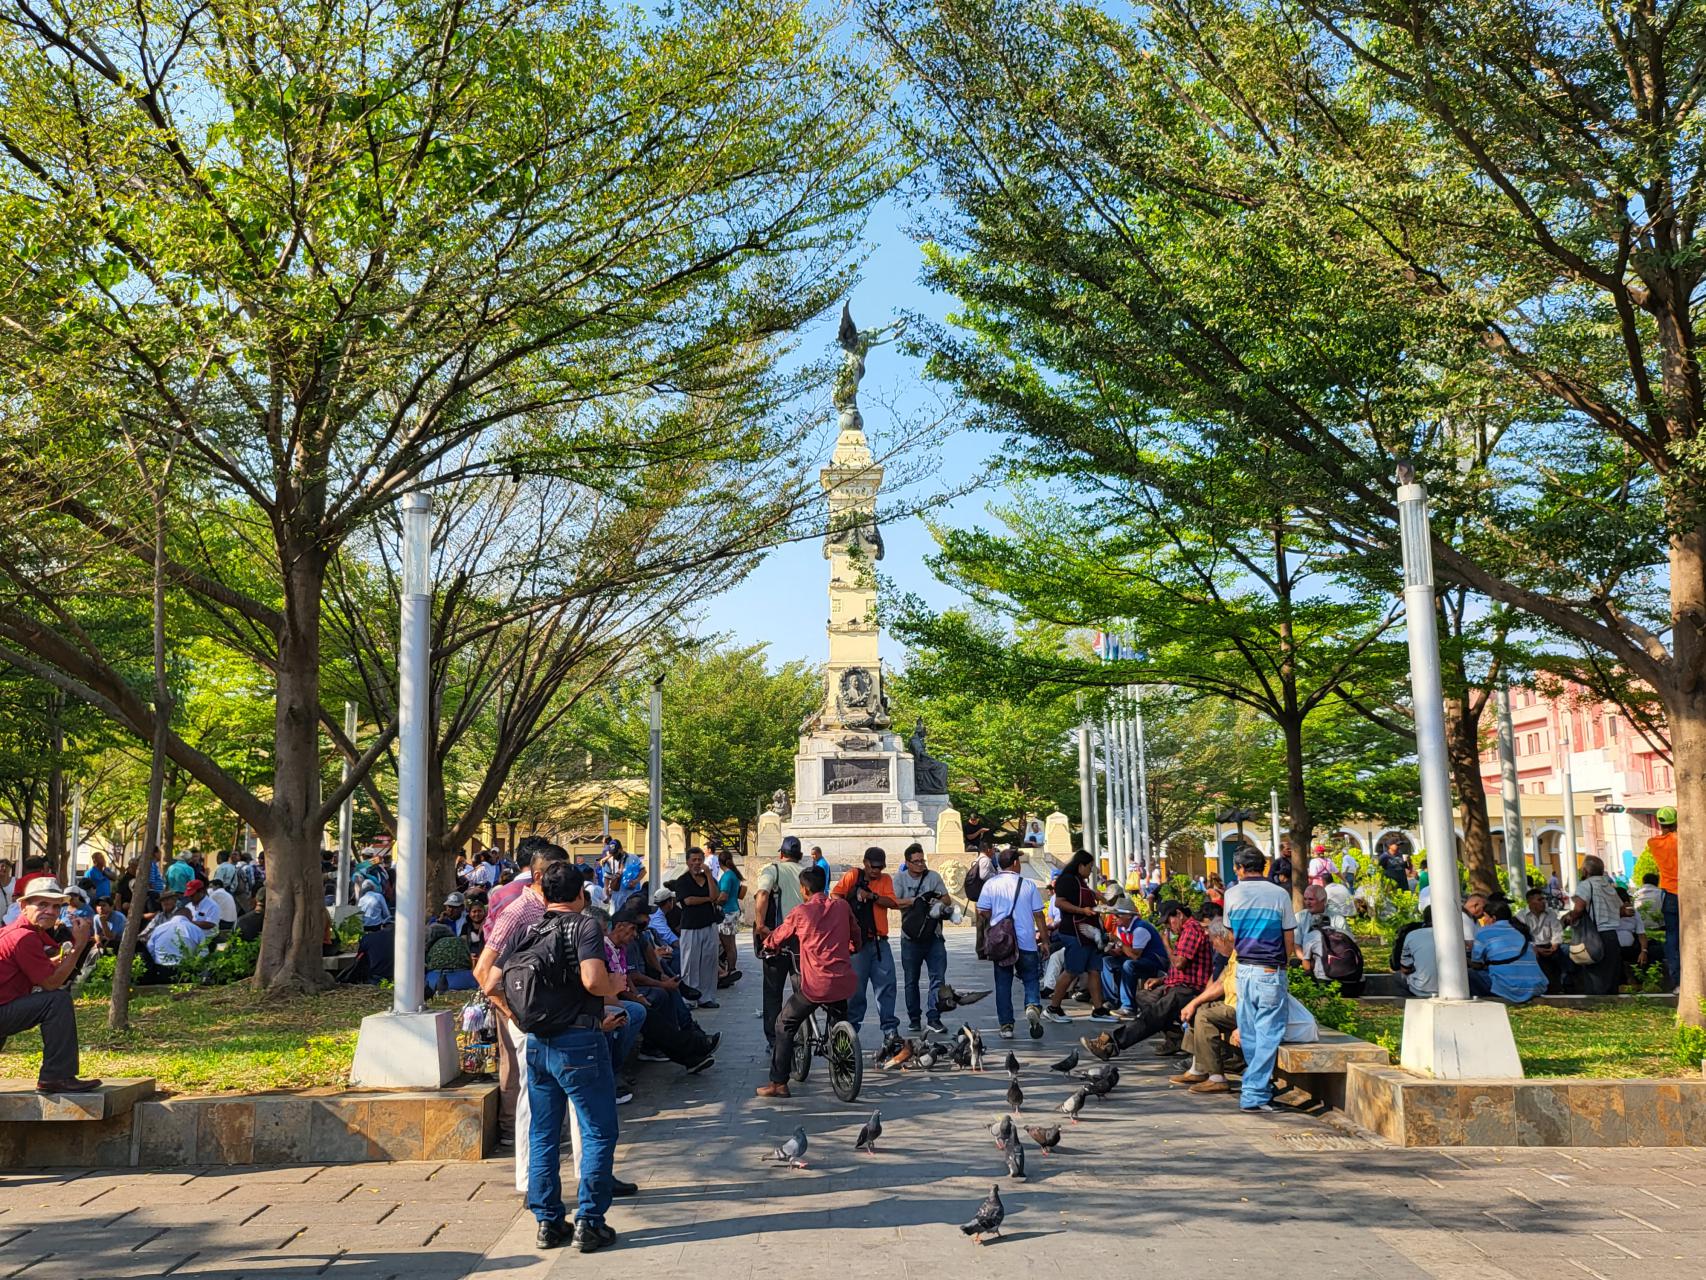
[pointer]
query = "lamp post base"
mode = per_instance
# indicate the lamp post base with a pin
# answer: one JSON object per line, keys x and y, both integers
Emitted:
{"x": 1459, "y": 1040}
{"x": 406, "y": 1051}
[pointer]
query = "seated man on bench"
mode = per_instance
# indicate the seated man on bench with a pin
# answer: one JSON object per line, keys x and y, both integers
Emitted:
{"x": 34, "y": 971}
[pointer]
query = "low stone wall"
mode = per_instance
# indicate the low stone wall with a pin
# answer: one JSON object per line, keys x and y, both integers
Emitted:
{"x": 1416, "y": 1111}
{"x": 268, "y": 1128}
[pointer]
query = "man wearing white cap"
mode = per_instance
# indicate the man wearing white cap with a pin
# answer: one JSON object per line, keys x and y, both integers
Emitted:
{"x": 33, "y": 973}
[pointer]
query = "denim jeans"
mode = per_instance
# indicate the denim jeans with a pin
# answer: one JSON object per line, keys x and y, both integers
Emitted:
{"x": 1261, "y": 1027}
{"x": 874, "y": 963}
{"x": 624, "y": 1038}
{"x": 932, "y": 955}
{"x": 1124, "y": 977}
{"x": 1026, "y": 968}
{"x": 571, "y": 1068}
{"x": 1672, "y": 916}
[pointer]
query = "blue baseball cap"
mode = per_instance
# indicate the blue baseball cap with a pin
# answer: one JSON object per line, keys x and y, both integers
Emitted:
{"x": 791, "y": 844}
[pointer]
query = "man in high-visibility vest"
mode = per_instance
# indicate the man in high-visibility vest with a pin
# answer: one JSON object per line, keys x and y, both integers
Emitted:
{"x": 1663, "y": 849}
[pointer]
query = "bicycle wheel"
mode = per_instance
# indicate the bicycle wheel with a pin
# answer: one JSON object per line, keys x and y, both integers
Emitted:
{"x": 804, "y": 1041}
{"x": 846, "y": 1063}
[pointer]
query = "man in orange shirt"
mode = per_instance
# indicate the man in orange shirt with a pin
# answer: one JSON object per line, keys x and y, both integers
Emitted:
{"x": 1663, "y": 849}
{"x": 870, "y": 892}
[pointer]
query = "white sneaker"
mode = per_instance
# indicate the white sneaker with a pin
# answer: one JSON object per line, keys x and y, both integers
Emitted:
{"x": 1056, "y": 1016}
{"x": 1006, "y": 1030}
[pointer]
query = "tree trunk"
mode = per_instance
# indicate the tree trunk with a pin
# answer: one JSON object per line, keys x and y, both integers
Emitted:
{"x": 168, "y": 831}
{"x": 1463, "y": 746}
{"x": 1685, "y": 707}
{"x": 1301, "y": 823}
{"x": 296, "y": 900}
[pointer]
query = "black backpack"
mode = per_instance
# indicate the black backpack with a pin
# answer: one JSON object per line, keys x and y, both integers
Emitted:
{"x": 971, "y": 888}
{"x": 1341, "y": 957}
{"x": 916, "y": 922}
{"x": 541, "y": 980}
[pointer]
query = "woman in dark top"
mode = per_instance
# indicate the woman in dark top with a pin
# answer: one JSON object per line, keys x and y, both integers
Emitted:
{"x": 1076, "y": 902}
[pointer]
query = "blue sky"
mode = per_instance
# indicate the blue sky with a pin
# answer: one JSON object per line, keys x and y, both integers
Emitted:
{"x": 784, "y": 601}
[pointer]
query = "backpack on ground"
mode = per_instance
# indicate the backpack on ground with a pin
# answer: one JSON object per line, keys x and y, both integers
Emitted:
{"x": 1341, "y": 958}
{"x": 541, "y": 986}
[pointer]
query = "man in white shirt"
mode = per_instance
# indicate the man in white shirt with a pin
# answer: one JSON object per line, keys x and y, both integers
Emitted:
{"x": 375, "y": 911}
{"x": 226, "y": 903}
{"x": 203, "y": 910}
{"x": 1546, "y": 935}
{"x": 174, "y": 938}
{"x": 1341, "y": 904}
{"x": 1009, "y": 895}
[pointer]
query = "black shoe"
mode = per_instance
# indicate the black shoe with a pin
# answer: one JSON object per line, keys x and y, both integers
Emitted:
{"x": 716, "y": 1039}
{"x": 553, "y": 1235}
{"x": 590, "y": 1237}
{"x": 704, "y": 1064}
{"x": 72, "y": 1085}
{"x": 692, "y": 994}
{"x": 622, "y": 1190}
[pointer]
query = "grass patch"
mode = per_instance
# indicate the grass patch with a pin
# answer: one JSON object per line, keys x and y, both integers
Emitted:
{"x": 217, "y": 1039}
{"x": 1626, "y": 1041}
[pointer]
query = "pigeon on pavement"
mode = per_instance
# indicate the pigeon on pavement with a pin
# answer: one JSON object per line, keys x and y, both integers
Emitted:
{"x": 988, "y": 1217}
{"x": 1016, "y": 1161}
{"x": 948, "y": 999}
{"x": 869, "y": 1132}
{"x": 1015, "y": 1096}
{"x": 976, "y": 1042}
{"x": 1045, "y": 1136}
{"x": 1101, "y": 1086}
{"x": 792, "y": 1151}
{"x": 1073, "y": 1105}
{"x": 1012, "y": 1063}
{"x": 1066, "y": 1064}
{"x": 1004, "y": 1133}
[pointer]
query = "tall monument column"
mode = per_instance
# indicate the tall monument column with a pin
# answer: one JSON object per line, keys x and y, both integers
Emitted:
{"x": 856, "y": 783}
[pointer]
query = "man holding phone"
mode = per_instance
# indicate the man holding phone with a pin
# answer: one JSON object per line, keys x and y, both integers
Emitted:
{"x": 34, "y": 969}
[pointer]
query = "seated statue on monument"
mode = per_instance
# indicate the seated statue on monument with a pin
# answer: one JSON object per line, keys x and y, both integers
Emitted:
{"x": 929, "y": 775}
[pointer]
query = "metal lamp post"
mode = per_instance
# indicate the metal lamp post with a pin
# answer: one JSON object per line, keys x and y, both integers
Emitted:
{"x": 411, "y": 1047}
{"x": 413, "y": 679}
{"x": 1510, "y": 794}
{"x": 1450, "y": 1036}
{"x": 654, "y": 804}
{"x": 1428, "y": 696}
{"x": 346, "y": 826}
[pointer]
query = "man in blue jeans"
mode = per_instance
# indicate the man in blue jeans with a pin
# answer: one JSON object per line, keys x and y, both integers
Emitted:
{"x": 568, "y": 1064}
{"x": 1008, "y": 895}
{"x": 1138, "y": 955}
{"x": 869, "y": 891}
{"x": 1264, "y": 934}
{"x": 915, "y": 883}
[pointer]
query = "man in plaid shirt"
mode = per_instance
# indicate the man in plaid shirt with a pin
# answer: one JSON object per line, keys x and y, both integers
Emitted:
{"x": 1158, "y": 1007}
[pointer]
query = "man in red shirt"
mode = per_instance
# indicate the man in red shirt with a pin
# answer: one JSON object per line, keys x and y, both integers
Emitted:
{"x": 827, "y": 936}
{"x": 1158, "y": 1010}
{"x": 32, "y": 984}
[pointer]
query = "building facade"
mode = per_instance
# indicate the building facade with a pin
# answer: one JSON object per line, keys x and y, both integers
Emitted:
{"x": 1618, "y": 777}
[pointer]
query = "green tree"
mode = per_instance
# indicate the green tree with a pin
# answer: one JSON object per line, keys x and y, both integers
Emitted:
{"x": 329, "y": 255}
{"x": 731, "y": 727}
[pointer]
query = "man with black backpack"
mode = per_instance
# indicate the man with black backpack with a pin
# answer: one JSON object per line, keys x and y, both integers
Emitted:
{"x": 921, "y": 896}
{"x": 870, "y": 892}
{"x": 1331, "y": 955}
{"x": 554, "y": 986}
{"x": 778, "y": 894}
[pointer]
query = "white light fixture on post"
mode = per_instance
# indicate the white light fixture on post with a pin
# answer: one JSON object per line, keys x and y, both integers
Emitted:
{"x": 409, "y": 1047}
{"x": 1274, "y": 831}
{"x": 1451, "y": 1036}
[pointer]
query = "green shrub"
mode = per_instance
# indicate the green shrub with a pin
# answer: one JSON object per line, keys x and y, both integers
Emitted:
{"x": 1180, "y": 889}
{"x": 1645, "y": 865}
{"x": 1690, "y": 1044}
{"x": 100, "y": 979}
{"x": 215, "y": 967}
{"x": 348, "y": 933}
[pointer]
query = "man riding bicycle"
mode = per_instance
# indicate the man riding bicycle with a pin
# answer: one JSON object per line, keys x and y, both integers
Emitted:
{"x": 826, "y": 934}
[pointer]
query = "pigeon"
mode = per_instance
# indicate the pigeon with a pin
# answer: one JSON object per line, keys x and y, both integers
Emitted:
{"x": 791, "y": 1151}
{"x": 1016, "y": 1161}
{"x": 1065, "y": 1065}
{"x": 960, "y": 1054}
{"x": 948, "y": 999}
{"x": 988, "y": 1216}
{"x": 976, "y": 1042}
{"x": 1015, "y": 1096}
{"x": 1012, "y": 1063}
{"x": 927, "y": 1058}
{"x": 1045, "y": 1136}
{"x": 1097, "y": 1070}
{"x": 1005, "y": 1134}
{"x": 1101, "y": 1086}
{"x": 1073, "y": 1105}
{"x": 901, "y": 1057}
{"x": 869, "y": 1132}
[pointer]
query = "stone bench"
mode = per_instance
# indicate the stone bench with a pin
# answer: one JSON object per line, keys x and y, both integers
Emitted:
{"x": 1318, "y": 1067}
{"x": 21, "y": 1104}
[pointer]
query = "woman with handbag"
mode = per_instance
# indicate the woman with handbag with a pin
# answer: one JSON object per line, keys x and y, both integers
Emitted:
{"x": 1593, "y": 930}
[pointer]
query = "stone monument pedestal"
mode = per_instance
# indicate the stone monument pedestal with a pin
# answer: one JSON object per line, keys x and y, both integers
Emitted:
{"x": 1459, "y": 1040}
{"x": 854, "y": 789}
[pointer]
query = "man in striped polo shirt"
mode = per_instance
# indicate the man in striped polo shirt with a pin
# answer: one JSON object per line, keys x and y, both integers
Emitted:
{"x": 1264, "y": 933}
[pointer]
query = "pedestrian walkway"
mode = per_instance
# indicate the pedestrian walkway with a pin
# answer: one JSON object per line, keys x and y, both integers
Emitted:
{"x": 1152, "y": 1182}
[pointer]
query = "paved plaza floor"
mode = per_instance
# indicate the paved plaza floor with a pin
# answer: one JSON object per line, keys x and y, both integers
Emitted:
{"x": 1152, "y": 1182}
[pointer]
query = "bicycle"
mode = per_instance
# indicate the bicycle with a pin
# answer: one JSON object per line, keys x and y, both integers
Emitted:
{"x": 835, "y": 1042}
